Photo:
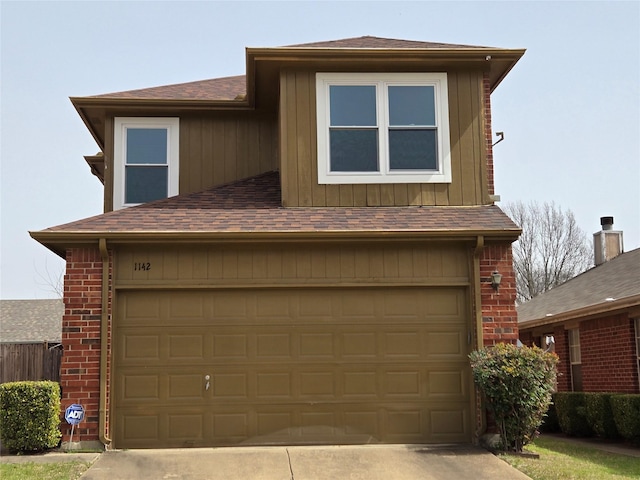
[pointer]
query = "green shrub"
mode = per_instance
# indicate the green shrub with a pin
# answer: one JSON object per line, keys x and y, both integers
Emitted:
{"x": 572, "y": 414}
{"x": 600, "y": 415}
{"x": 550, "y": 422}
{"x": 517, "y": 383}
{"x": 626, "y": 414}
{"x": 29, "y": 415}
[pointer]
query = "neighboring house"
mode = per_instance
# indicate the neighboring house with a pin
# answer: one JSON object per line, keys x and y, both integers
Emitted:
{"x": 592, "y": 321}
{"x": 321, "y": 266}
{"x": 30, "y": 333}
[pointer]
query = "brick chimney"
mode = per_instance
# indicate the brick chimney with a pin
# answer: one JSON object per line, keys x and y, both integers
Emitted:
{"x": 607, "y": 243}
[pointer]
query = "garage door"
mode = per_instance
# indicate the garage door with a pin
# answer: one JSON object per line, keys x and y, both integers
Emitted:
{"x": 291, "y": 366}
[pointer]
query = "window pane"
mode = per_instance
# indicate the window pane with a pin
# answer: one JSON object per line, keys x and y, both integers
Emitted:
{"x": 146, "y": 145}
{"x": 413, "y": 150}
{"x": 145, "y": 184}
{"x": 353, "y": 105}
{"x": 411, "y": 105}
{"x": 354, "y": 150}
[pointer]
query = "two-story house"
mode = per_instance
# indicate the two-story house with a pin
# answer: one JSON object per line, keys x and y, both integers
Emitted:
{"x": 299, "y": 255}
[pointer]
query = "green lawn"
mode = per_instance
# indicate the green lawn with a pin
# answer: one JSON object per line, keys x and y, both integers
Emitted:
{"x": 561, "y": 460}
{"x": 43, "y": 471}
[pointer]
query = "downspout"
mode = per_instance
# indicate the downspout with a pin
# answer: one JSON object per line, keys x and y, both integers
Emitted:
{"x": 476, "y": 290}
{"x": 482, "y": 428}
{"x": 104, "y": 332}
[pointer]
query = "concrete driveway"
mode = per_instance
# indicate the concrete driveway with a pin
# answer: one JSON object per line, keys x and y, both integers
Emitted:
{"x": 366, "y": 462}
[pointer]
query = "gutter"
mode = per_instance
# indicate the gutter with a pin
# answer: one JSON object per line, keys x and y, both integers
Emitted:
{"x": 104, "y": 332}
{"x": 477, "y": 294}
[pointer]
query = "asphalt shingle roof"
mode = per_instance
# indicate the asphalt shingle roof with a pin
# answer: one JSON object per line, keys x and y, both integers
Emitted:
{"x": 253, "y": 205}
{"x": 613, "y": 280}
{"x": 379, "y": 42}
{"x": 234, "y": 88}
{"x": 25, "y": 321}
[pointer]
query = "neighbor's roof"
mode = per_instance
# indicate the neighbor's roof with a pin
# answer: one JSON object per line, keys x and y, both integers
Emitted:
{"x": 252, "y": 209}
{"x": 610, "y": 286}
{"x": 28, "y": 321}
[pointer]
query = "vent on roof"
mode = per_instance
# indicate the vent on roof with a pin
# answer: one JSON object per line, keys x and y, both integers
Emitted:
{"x": 607, "y": 243}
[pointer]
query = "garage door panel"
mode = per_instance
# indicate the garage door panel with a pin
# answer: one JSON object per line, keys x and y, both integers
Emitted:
{"x": 142, "y": 388}
{"x": 271, "y": 385}
{"x": 291, "y": 366}
{"x": 185, "y": 387}
{"x": 141, "y": 346}
{"x": 186, "y": 346}
{"x": 445, "y": 343}
{"x": 449, "y": 385}
{"x": 274, "y": 344}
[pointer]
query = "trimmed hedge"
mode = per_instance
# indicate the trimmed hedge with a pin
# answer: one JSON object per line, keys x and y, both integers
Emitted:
{"x": 626, "y": 414}
{"x": 29, "y": 415}
{"x": 517, "y": 384}
{"x": 572, "y": 413}
{"x": 550, "y": 422}
{"x": 600, "y": 414}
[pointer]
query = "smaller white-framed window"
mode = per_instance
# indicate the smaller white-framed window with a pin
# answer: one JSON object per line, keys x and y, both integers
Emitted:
{"x": 383, "y": 128}
{"x": 637, "y": 327}
{"x": 146, "y": 160}
{"x": 575, "y": 359}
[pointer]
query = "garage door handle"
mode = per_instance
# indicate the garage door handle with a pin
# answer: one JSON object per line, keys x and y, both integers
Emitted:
{"x": 207, "y": 384}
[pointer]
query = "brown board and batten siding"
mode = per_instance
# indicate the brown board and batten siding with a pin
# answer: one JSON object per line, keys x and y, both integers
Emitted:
{"x": 298, "y": 151}
{"x": 310, "y": 343}
{"x": 222, "y": 148}
{"x": 215, "y": 148}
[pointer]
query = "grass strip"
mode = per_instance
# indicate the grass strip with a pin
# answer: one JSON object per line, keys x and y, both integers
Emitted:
{"x": 561, "y": 460}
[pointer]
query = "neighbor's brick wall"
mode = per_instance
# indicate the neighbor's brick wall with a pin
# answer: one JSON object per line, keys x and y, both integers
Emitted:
{"x": 609, "y": 361}
{"x": 499, "y": 317}
{"x": 80, "y": 366}
{"x": 608, "y": 355}
{"x": 488, "y": 134}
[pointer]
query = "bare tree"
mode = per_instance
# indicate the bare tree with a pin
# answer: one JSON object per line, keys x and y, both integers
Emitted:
{"x": 551, "y": 250}
{"x": 51, "y": 280}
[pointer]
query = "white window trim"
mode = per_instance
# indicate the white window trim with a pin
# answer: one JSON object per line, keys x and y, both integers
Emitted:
{"x": 172, "y": 124}
{"x": 381, "y": 80}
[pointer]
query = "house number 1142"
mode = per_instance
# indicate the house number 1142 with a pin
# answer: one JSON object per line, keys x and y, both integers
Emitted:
{"x": 140, "y": 266}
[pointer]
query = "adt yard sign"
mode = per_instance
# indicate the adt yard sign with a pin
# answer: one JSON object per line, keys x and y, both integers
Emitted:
{"x": 74, "y": 414}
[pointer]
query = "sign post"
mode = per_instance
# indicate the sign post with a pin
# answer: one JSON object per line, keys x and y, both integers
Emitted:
{"x": 74, "y": 414}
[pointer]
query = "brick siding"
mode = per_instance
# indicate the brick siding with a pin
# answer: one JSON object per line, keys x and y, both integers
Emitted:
{"x": 488, "y": 134}
{"x": 607, "y": 350}
{"x": 499, "y": 317}
{"x": 80, "y": 365}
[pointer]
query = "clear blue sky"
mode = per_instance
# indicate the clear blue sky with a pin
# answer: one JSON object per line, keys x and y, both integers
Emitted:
{"x": 569, "y": 109}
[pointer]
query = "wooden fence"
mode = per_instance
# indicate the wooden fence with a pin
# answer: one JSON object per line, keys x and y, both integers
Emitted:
{"x": 29, "y": 361}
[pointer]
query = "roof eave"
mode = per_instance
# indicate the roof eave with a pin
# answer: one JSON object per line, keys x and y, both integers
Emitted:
{"x": 500, "y": 60}
{"x": 58, "y": 242}
{"x": 584, "y": 313}
{"x": 151, "y": 106}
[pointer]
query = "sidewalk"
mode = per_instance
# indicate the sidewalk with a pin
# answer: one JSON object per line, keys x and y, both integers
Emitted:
{"x": 52, "y": 456}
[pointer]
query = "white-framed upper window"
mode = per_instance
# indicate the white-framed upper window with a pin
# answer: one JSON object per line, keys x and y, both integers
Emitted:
{"x": 383, "y": 128}
{"x": 146, "y": 163}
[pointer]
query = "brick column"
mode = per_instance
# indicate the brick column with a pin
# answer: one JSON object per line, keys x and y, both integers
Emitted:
{"x": 80, "y": 366}
{"x": 499, "y": 317}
